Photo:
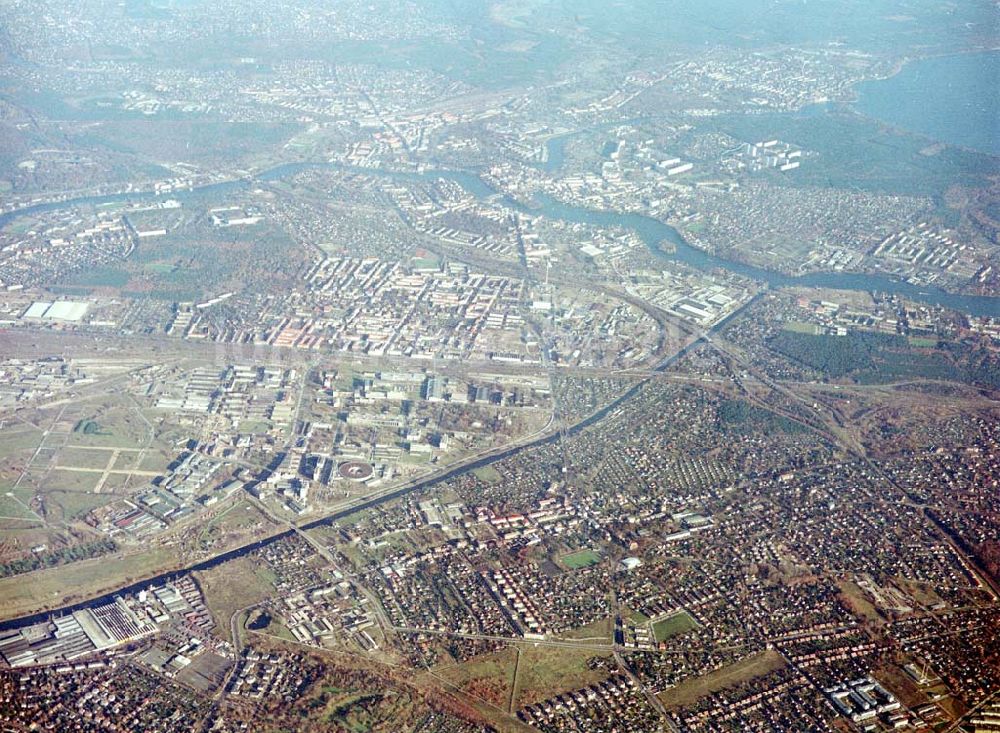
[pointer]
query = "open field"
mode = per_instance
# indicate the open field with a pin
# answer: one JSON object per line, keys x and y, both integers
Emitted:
{"x": 488, "y": 677}
{"x": 232, "y": 586}
{"x": 14, "y": 505}
{"x": 922, "y": 593}
{"x": 77, "y": 581}
{"x": 237, "y": 523}
{"x": 487, "y": 474}
{"x": 858, "y": 601}
{"x": 902, "y": 685}
{"x": 67, "y": 480}
{"x": 254, "y": 426}
{"x": 108, "y": 427}
{"x": 690, "y": 690}
{"x": 78, "y": 457}
{"x": 18, "y": 443}
{"x": 128, "y": 460}
{"x": 16, "y": 538}
{"x": 120, "y": 483}
{"x": 547, "y": 671}
{"x": 153, "y": 460}
{"x": 75, "y": 505}
{"x": 602, "y": 630}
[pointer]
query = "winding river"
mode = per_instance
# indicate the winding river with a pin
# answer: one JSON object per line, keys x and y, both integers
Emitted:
{"x": 652, "y": 232}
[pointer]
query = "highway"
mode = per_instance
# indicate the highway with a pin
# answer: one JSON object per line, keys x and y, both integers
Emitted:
{"x": 550, "y": 432}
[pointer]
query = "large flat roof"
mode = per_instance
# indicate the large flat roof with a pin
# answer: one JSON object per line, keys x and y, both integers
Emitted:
{"x": 66, "y": 310}
{"x": 61, "y": 310}
{"x": 37, "y": 309}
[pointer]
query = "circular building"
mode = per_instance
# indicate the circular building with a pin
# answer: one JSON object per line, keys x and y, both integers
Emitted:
{"x": 355, "y": 470}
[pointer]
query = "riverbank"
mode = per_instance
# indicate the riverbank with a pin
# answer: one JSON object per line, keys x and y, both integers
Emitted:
{"x": 650, "y": 230}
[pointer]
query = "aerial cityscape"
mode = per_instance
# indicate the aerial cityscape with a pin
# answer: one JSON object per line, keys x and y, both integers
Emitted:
{"x": 423, "y": 366}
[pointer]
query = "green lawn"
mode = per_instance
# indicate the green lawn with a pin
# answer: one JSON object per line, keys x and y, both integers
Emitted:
{"x": 278, "y": 629}
{"x": 580, "y": 559}
{"x": 636, "y": 617}
{"x": 799, "y": 327}
{"x": 678, "y": 623}
{"x": 424, "y": 262}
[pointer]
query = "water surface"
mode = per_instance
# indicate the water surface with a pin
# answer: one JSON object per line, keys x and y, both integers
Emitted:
{"x": 951, "y": 99}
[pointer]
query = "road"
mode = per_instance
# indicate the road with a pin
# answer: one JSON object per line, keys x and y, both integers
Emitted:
{"x": 995, "y": 696}
{"x": 559, "y": 643}
{"x": 550, "y": 431}
{"x": 650, "y": 696}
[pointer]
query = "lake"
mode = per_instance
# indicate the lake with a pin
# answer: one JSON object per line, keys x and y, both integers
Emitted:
{"x": 951, "y": 99}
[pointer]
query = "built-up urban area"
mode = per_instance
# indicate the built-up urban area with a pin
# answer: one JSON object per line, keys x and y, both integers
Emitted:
{"x": 378, "y": 366}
